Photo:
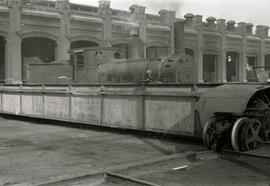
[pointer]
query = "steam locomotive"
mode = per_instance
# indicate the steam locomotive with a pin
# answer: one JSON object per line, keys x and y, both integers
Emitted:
{"x": 110, "y": 65}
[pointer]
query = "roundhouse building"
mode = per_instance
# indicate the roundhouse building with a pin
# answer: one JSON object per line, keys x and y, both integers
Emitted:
{"x": 35, "y": 32}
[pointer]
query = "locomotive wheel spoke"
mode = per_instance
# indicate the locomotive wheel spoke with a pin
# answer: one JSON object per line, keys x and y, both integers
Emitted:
{"x": 209, "y": 134}
{"x": 249, "y": 135}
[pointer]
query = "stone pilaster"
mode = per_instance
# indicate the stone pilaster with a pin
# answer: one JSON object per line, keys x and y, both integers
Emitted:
{"x": 197, "y": 25}
{"x": 262, "y": 48}
{"x": 223, "y": 40}
{"x": 106, "y": 14}
{"x": 242, "y": 29}
{"x": 13, "y": 66}
{"x": 243, "y": 62}
{"x": 168, "y": 18}
{"x": 64, "y": 40}
{"x": 262, "y": 32}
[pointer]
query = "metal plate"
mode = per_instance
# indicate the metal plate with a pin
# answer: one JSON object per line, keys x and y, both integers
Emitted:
{"x": 230, "y": 98}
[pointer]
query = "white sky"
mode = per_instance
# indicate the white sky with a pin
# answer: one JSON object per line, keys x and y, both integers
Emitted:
{"x": 254, "y": 11}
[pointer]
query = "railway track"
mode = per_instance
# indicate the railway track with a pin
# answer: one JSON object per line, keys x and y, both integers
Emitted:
{"x": 127, "y": 180}
{"x": 147, "y": 172}
{"x": 130, "y": 174}
{"x": 96, "y": 178}
{"x": 120, "y": 179}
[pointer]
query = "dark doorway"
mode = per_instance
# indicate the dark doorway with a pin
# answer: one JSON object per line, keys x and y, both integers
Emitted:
{"x": 2, "y": 58}
{"x": 209, "y": 67}
{"x": 267, "y": 61}
{"x": 250, "y": 71}
{"x": 232, "y": 66}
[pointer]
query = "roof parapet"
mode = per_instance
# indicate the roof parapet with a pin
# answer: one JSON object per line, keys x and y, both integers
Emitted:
{"x": 262, "y": 30}
{"x": 167, "y": 17}
{"x": 249, "y": 28}
{"x": 231, "y": 26}
{"x": 197, "y": 21}
{"x": 242, "y": 29}
{"x": 221, "y": 25}
{"x": 211, "y": 23}
{"x": 104, "y": 8}
{"x": 189, "y": 20}
{"x": 137, "y": 12}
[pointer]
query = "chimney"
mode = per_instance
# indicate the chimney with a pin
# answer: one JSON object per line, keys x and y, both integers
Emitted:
{"x": 262, "y": 31}
{"x": 221, "y": 25}
{"x": 197, "y": 21}
{"x": 211, "y": 22}
{"x": 137, "y": 12}
{"x": 136, "y": 46}
{"x": 189, "y": 20}
{"x": 249, "y": 28}
{"x": 104, "y": 7}
{"x": 242, "y": 28}
{"x": 179, "y": 37}
{"x": 230, "y": 25}
{"x": 167, "y": 17}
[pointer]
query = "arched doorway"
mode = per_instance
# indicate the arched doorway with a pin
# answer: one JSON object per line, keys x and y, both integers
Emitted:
{"x": 40, "y": 48}
{"x": 2, "y": 58}
{"x": 232, "y": 66}
{"x": 37, "y": 50}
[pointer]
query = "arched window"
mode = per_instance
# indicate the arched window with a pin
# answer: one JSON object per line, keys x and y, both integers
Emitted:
{"x": 43, "y": 49}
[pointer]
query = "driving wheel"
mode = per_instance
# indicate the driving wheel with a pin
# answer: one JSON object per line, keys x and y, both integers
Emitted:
{"x": 209, "y": 134}
{"x": 235, "y": 132}
{"x": 249, "y": 135}
{"x": 265, "y": 129}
